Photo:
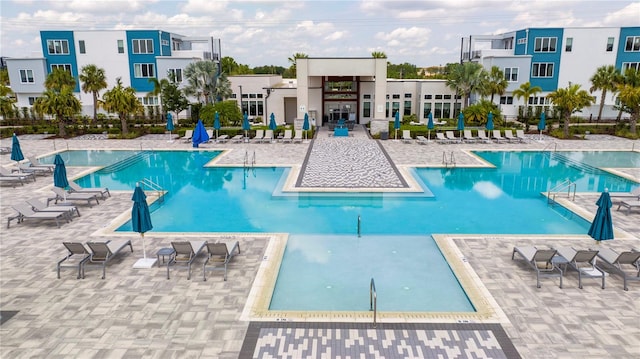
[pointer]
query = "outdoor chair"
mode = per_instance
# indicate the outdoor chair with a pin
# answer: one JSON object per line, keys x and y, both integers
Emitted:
{"x": 451, "y": 136}
{"x": 259, "y": 136}
{"x": 468, "y": 137}
{"x": 77, "y": 256}
{"x": 27, "y": 168}
{"x": 508, "y": 135}
{"x": 237, "y": 139}
{"x": 482, "y": 137}
{"x": 441, "y": 139}
{"x": 4, "y": 172}
{"x": 103, "y": 252}
{"x": 422, "y": 140}
{"x": 187, "y": 136}
{"x": 184, "y": 255}
{"x": 40, "y": 206}
{"x": 26, "y": 212}
{"x": 621, "y": 262}
{"x": 36, "y": 163}
{"x": 64, "y": 195}
{"x": 635, "y": 194}
{"x": 222, "y": 139}
{"x": 288, "y": 136}
{"x": 75, "y": 188}
{"x": 406, "y": 136}
{"x": 541, "y": 261}
{"x": 629, "y": 205}
{"x": 219, "y": 257}
{"x": 520, "y": 136}
{"x": 298, "y": 137}
{"x": 12, "y": 180}
{"x": 268, "y": 137}
{"x": 583, "y": 261}
{"x": 497, "y": 136}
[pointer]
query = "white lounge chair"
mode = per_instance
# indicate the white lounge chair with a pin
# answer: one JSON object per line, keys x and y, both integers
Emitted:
{"x": 583, "y": 261}
{"x": 259, "y": 136}
{"x": 497, "y": 136}
{"x": 297, "y": 138}
{"x": 406, "y": 136}
{"x": 185, "y": 253}
{"x": 541, "y": 260}
{"x": 63, "y": 195}
{"x": 40, "y": 206}
{"x": 219, "y": 257}
{"x": 451, "y": 136}
{"x": 422, "y": 140}
{"x": 75, "y": 188}
{"x": 268, "y": 136}
{"x": 635, "y": 194}
{"x": 35, "y": 162}
{"x": 27, "y": 168}
{"x": 288, "y": 136}
{"x": 441, "y": 139}
{"x": 237, "y": 139}
{"x": 482, "y": 136}
{"x": 508, "y": 135}
{"x": 187, "y": 136}
{"x": 222, "y": 139}
{"x": 210, "y": 134}
{"x": 26, "y": 212}
{"x": 520, "y": 135}
{"x": 468, "y": 137}
{"x": 620, "y": 261}
{"x": 4, "y": 172}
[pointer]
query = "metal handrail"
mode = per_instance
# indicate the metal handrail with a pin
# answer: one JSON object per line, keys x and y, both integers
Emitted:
{"x": 153, "y": 186}
{"x": 568, "y": 185}
{"x": 373, "y": 300}
{"x": 451, "y": 159}
{"x": 555, "y": 146}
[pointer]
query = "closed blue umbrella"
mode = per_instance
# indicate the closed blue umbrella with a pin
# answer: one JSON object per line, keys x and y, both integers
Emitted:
{"x": 199, "y": 134}
{"x": 396, "y": 123}
{"x": 216, "y": 123}
{"x": 461, "y": 124}
{"x": 16, "y": 152}
{"x": 141, "y": 221}
{"x": 541, "y": 123}
{"x": 602, "y": 226}
{"x": 490, "y": 123}
{"x": 430, "y": 125}
{"x": 245, "y": 124}
{"x": 305, "y": 124}
{"x": 60, "y": 173}
{"x": 169, "y": 125}
{"x": 272, "y": 122}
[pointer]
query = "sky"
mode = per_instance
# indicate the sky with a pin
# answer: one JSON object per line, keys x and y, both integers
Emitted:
{"x": 258, "y": 33}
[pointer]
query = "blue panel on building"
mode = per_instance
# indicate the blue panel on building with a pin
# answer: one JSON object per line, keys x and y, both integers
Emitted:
{"x": 623, "y": 55}
{"x": 144, "y": 46}
{"x": 545, "y": 56}
{"x": 520, "y": 48}
{"x": 58, "y": 48}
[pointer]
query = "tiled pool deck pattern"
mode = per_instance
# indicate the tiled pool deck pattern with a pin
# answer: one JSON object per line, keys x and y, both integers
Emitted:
{"x": 139, "y": 313}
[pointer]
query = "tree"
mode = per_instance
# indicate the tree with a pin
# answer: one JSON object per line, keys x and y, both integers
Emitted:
{"x": 201, "y": 80}
{"x": 569, "y": 101}
{"x": 171, "y": 98}
{"x": 93, "y": 80}
{"x": 229, "y": 112}
{"x": 496, "y": 83}
{"x": 223, "y": 87}
{"x": 629, "y": 96}
{"x": 402, "y": 71}
{"x": 478, "y": 112}
{"x": 7, "y": 101}
{"x": 378, "y": 55}
{"x": 525, "y": 91}
{"x": 605, "y": 79}
{"x": 229, "y": 65}
{"x": 293, "y": 61}
{"x": 465, "y": 79}
{"x": 123, "y": 101}
{"x": 58, "y": 99}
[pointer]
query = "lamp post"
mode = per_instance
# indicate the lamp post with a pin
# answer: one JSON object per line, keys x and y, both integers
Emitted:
{"x": 241, "y": 109}
{"x": 266, "y": 101}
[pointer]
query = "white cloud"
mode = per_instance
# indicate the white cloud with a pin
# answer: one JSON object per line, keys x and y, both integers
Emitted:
{"x": 213, "y": 7}
{"x": 408, "y": 37}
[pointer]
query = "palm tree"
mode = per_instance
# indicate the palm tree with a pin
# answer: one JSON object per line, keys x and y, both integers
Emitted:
{"x": 123, "y": 101}
{"x": 378, "y": 55}
{"x": 201, "y": 80}
{"x": 7, "y": 98}
{"x": 93, "y": 80}
{"x": 496, "y": 83}
{"x": 58, "y": 99}
{"x": 465, "y": 79}
{"x": 525, "y": 91}
{"x": 569, "y": 101}
{"x": 604, "y": 79}
{"x": 629, "y": 96}
{"x": 223, "y": 87}
{"x": 293, "y": 62}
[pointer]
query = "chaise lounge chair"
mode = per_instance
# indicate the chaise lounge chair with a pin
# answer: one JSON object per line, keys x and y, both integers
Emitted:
{"x": 583, "y": 261}
{"x": 63, "y": 195}
{"x": 298, "y": 137}
{"x": 35, "y": 162}
{"x": 268, "y": 137}
{"x": 187, "y": 136}
{"x": 422, "y": 140}
{"x": 258, "y": 137}
{"x": 482, "y": 137}
{"x": 185, "y": 253}
{"x": 237, "y": 139}
{"x": 508, "y": 134}
{"x": 75, "y": 188}
{"x": 27, "y": 168}
{"x": 4, "y": 172}
{"x": 77, "y": 256}
{"x": 288, "y": 136}
{"x": 635, "y": 194}
{"x": 451, "y": 136}
{"x": 26, "y": 212}
{"x": 468, "y": 137}
{"x": 441, "y": 139}
{"x": 406, "y": 136}
{"x": 541, "y": 261}
{"x": 103, "y": 252}
{"x": 219, "y": 257}
{"x": 498, "y": 137}
{"x": 617, "y": 260}
{"x": 40, "y": 206}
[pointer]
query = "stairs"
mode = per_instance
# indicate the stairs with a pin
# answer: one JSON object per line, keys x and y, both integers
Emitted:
{"x": 127, "y": 162}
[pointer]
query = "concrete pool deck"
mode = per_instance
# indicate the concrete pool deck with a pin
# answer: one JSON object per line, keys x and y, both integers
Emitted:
{"x": 139, "y": 313}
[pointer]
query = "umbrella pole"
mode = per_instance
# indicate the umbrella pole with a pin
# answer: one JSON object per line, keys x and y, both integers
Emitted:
{"x": 429, "y": 136}
{"x": 144, "y": 250}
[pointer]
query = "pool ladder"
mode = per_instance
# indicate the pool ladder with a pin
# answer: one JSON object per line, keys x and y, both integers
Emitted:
{"x": 373, "y": 300}
{"x": 249, "y": 162}
{"x": 567, "y": 185}
{"x": 145, "y": 182}
{"x": 448, "y": 161}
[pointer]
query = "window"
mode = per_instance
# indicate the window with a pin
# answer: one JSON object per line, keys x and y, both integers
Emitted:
{"x": 366, "y": 96}
{"x": 32, "y": 100}
{"x": 164, "y": 42}
{"x": 120, "y": 46}
{"x": 386, "y": 110}
{"x": 446, "y": 110}
{"x": 395, "y": 107}
{"x": 396, "y": 96}
{"x": 66, "y": 67}
{"x": 366, "y": 109}
{"x": 506, "y": 100}
{"x": 26, "y": 76}
{"x": 542, "y": 69}
{"x": 407, "y": 108}
{"x": 426, "y": 110}
{"x": 144, "y": 46}
{"x": 143, "y": 70}
{"x": 176, "y": 75}
{"x": 630, "y": 65}
{"x": 149, "y": 100}
{"x": 522, "y": 41}
{"x": 407, "y": 95}
{"x": 81, "y": 47}
{"x": 568, "y": 44}
{"x": 447, "y": 97}
{"x": 632, "y": 44}
{"x": 610, "y": 44}
{"x": 545, "y": 44}
{"x": 437, "y": 113}
{"x": 511, "y": 74}
{"x": 428, "y": 97}
{"x": 438, "y": 97}
{"x": 58, "y": 47}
